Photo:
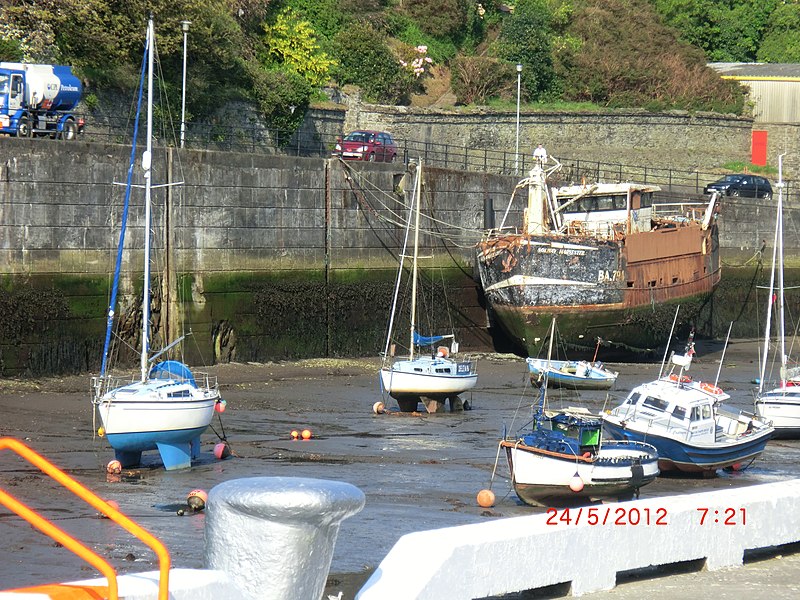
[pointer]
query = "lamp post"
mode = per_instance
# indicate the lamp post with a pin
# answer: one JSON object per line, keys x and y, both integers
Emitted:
{"x": 185, "y": 27}
{"x": 519, "y": 87}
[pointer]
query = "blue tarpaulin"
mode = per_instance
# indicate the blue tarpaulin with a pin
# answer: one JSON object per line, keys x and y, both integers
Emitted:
{"x": 170, "y": 369}
{"x": 421, "y": 340}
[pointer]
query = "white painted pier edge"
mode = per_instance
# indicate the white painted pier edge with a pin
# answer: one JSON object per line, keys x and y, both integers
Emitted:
{"x": 504, "y": 556}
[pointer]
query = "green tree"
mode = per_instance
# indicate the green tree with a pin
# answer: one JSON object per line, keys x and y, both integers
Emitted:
{"x": 365, "y": 60}
{"x": 726, "y": 30}
{"x": 781, "y": 43}
{"x": 291, "y": 43}
{"x": 526, "y": 38}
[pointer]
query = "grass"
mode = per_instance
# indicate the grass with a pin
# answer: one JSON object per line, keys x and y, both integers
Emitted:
{"x": 740, "y": 167}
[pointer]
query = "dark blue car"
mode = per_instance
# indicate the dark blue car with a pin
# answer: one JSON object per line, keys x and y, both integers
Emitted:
{"x": 742, "y": 184}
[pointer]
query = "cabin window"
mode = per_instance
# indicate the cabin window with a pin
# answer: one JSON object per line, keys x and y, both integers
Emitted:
{"x": 674, "y": 280}
{"x": 679, "y": 412}
{"x": 695, "y": 413}
{"x": 180, "y": 394}
{"x": 630, "y": 284}
{"x": 418, "y": 369}
{"x": 647, "y": 199}
{"x": 440, "y": 370}
{"x": 656, "y": 403}
{"x": 651, "y": 283}
{"x": 706, "y": 411}
{"x": 633, "y": 398}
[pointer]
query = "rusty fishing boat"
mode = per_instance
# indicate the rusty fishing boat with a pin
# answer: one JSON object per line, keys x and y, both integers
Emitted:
{"x": 605, "y": 259}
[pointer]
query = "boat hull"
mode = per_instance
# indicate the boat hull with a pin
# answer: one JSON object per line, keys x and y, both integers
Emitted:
{"x": 570, "y": 374}
{"x": 677, "y": 455}
{"x": 622, "y": 291}
{"x": 164, "y": 415}
{"x": 435, "y": 378}
{"x": 542, "y": 477}
{"x": 781, "y": 407}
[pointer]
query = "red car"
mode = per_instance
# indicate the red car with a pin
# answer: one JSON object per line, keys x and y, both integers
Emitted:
{"x": 374, "y": 146}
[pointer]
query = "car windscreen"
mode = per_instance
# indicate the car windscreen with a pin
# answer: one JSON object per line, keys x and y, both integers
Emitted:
{"x": 357, "y": 136}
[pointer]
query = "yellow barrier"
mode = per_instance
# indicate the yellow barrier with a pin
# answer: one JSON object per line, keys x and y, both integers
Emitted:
{"x": 96, "y": 502}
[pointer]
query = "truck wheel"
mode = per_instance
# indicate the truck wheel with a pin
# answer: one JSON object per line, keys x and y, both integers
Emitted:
{"x": 70, "y": 131}
{"x": 23, "y": 128}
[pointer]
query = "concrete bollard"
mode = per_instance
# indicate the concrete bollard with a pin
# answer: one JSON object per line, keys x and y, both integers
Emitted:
{"x": 274, "y": 536}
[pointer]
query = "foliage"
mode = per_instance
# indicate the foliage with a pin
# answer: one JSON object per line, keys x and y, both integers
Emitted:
{"x": 526, "y": 39}
{"x": 291, "y": 42}
{"x": 276, "y": 91}
{"x": 440, "y": 18}
{"x": 405, "y": 29}
{"x": 628, "y": 58}
{"x": 726, "y": 30}
{"x": 10, "y": 46}
{"x": 740, "y": 167}
{"x": 477, "y": 78}
{"x": 366, "y": 60}
{"x": 781, "y": 43}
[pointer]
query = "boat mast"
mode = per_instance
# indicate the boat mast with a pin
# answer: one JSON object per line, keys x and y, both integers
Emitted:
{"x": 776, "y": 243}
{"x": 146, "y": 164}
{"x": 417, "y": 194}
{"x": 781, "y": 288}
{"x": 535, "y": 214}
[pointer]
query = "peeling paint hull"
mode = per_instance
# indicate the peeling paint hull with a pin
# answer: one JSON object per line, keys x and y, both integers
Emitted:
{"x": 620, "y": 290}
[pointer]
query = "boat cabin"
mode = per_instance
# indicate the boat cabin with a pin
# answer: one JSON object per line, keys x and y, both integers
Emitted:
{"x": 603, "y": 208}
{"x": 683, "y": 410}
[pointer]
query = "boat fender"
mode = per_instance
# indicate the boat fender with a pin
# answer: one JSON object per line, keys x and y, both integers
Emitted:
{"x": 710, "y": 388}
{"x": 442, "y": 352}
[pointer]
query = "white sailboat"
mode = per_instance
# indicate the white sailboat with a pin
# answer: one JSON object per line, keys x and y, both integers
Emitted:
{"x": 781, "y": 405}
{"x": 166, "y": 407}
{"x": 428, "y": 377}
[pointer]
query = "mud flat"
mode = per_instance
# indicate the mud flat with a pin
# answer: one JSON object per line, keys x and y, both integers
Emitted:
{"x": 418, "y": 471}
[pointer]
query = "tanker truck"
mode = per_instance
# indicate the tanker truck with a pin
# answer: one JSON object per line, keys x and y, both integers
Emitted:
{"x": 38, "y": 100}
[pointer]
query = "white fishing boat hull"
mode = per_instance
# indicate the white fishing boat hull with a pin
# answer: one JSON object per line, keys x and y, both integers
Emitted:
{"x": 781, "y": 407}
{"x": 157, "y": 414}
{"x": 616, "y": 471}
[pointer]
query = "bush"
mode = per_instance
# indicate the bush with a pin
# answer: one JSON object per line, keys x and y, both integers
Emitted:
{"x": 365, "y": 60}
{"x": 475, "y": 79}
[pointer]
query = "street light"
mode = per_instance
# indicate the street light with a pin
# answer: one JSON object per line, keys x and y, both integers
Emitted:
{"x": 185, "y": 27}
{"x": 519, "y": 87}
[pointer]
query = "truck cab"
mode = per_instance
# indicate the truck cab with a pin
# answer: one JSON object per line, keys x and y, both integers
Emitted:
{"x": 38, "y": 100}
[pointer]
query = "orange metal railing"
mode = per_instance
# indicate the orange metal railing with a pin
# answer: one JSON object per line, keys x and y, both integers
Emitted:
{"x": 96, "y": 502}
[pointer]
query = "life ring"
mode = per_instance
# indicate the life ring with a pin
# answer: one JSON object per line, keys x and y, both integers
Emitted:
{"x": 684, "y": 378}
{"x": 711, "y": 389}
{"x": 442, "y": 352}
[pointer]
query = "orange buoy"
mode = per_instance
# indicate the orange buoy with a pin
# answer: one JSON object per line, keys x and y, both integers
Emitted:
{"x": 486, "y": 498}
{"x": 379, "y": 408}
{"x": 306, "y": 434}
{"x": 101, "y": 432}
{"x": 295, "y": 434}
{"x": 222, "y": 450}
{"x": 220, "y": 406}
{"x": 197, "y": 500}
{"x": 114, "y": 467}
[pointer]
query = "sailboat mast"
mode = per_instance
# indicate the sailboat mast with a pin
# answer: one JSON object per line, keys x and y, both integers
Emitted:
{"x": 782, "y": 321}
{"x": 417, "y": 194}
{"x": 146, "y": 164}
{"x": 776, "y": 243}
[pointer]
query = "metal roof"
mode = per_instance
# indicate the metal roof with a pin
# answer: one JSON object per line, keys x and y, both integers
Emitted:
{"x": 755, "y": 71}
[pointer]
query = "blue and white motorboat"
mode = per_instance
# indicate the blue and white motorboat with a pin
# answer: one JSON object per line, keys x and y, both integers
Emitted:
{"x": 571, "y": 374}
{"x": 431, "y": 377}
{"x": 685, "y": 421}
{"x": 166, "y": 407}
